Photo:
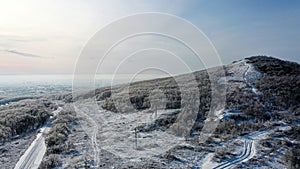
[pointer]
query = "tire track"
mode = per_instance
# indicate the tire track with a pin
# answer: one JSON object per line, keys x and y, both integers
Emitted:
{"x": 248, "y": 150}
{"x": 94, "y": 135}
{"x": 248, "y": 145}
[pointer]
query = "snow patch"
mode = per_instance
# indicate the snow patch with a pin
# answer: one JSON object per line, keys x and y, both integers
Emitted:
{"x": 207, "y": 161}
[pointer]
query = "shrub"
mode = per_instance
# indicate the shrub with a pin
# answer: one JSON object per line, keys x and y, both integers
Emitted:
{"x": 292, "y": 157}
{"x": 49, "y": 162}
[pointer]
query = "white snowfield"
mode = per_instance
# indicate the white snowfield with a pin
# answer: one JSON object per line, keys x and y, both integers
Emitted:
{"x": 33, "y": 156}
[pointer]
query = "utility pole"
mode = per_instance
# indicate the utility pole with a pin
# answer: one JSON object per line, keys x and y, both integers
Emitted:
{"x": 155, "y": 111}
{"x": 135, "y": 135}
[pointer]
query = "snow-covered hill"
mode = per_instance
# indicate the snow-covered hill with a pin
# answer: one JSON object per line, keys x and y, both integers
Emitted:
{"x": 245, "y": 117}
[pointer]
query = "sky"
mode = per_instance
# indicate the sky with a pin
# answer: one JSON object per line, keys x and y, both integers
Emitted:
{"x": 46, "y": 37}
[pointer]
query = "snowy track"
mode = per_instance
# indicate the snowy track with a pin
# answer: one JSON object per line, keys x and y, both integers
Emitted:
{"x": 249, "y": 76}
{"x": 249, "y": 151}
{"x": 94, "y": 128}
{"x": 246, "y": 155}
{"x": 33, "y": 156}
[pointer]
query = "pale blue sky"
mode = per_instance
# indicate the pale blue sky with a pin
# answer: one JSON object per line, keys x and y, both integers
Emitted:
{"x": 47, "y": 36}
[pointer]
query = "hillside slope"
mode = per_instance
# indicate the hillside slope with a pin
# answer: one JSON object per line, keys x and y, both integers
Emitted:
{"x": 164, "y": 123}
{"x": 258, "y": 126}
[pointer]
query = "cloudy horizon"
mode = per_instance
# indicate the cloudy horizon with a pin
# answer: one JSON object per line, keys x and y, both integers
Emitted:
{"x": 47, "y": 37}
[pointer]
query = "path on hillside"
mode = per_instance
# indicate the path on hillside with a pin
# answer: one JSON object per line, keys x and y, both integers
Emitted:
{"x": 249, "y": 144}
{"x": 95, "y": 127}
{"x": 33, "y": 156}
{"x": 245, "y": 155}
